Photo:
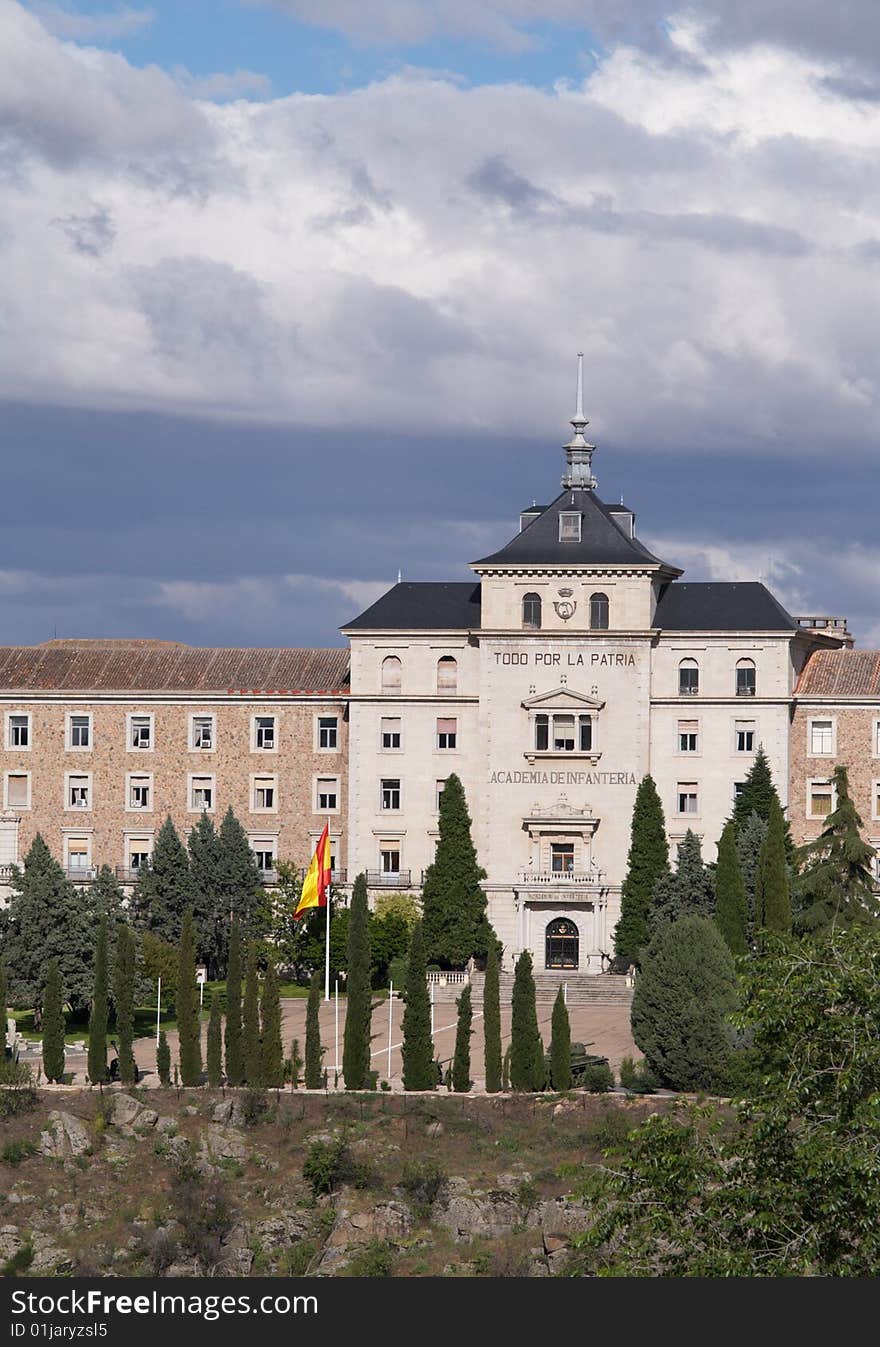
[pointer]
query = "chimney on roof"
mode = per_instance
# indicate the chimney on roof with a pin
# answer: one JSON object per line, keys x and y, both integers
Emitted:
{"x": 823, "y": 625}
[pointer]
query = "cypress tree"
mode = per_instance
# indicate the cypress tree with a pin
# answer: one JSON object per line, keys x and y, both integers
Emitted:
{"x": 453, "y": 904}
{"x": 163, "y": 891}
{"x": 749, "y": 841}
{"x": 685, "y": 990}
{"x": 689, "y": 890}
{"x": 234, "y": 1057}
{"x": 836, "y": 885}
{"x": 188, "y": 1019}
{"x": 314, "y": 1051}
{"x": 358, "y": 1010}
{"x": 124, "y": 973}
{"x": 418, "y": 1048}
{"x": 461, "y": 1062}
{"x": 648, "y": 861}
{"x": 203, "y": 849}
{"x": 731, "y": 899}
{"x": 772, "y": 898}
{"x": 296, "y": 1064}
{"x": 505, "y": 1070}
{"x": 97, "y": 1060}
{"x": 492, "y": 1021}
{"x": 47, "y": 918}
{"x": 163, "y": 1059}
{"x": 53, "y": 1024}
{"x": 251, "y": 1053}
{"x": 560, "y": 1045}
{"x": 239, "y": 883}
{"x": 215, "y": 1044}
{"x": 525, "y": 1040}
{"x": 271, "y": 1046}
{"x": 4, "y": 989}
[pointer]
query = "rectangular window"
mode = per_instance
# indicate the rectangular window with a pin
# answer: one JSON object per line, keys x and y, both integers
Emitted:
{"x": 877, "y": 738}
{"x": 264, "y": 734}
{"x": 819, "y": 799}
{"x": 139, "y": 792}
{"x": 328, "y": 792}
{"x": 18, "y": 790}
{"x": 686, "y": 793}
{"x": 744, "y": 731}
{"x": 586, "y": 733}
{"x": 688, "y": 680}
{"x": 327, "y": 731}
{"x": 875, "y": 799}
{"x": 738, "y": 788}
{"x": 390, "y": 798}
{"x": 562, "y": 858}
{"x": 264, "y": 792}
{"x": 138, "y": 856}
{"x": 447, "y": 733}
{"x": 201, "y": 793}
{"x": 80, "y": 731}
{"x": 821, "y": 738}
{"x": 140, "y": 733}
{"x": 438, "y": 794}
{"x": 688, "y": 736}
{"x": 745, "y": 680}
{"x": 19, "y": 731}
{"x": 202, "y": 733}
{"x": 78, "y": 859}
{"x": 78, "y": 792}
{"x": 389, "y": 858}
{"x": 542, "y": 733}
{"x": 264, "y": 856}
{"x": 390, "y": 727}
{"x": 563, "y": 734}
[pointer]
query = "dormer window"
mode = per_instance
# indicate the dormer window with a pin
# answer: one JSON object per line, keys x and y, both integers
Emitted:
{"x": 531, "y": 616}
{"x": 570, "y": 527}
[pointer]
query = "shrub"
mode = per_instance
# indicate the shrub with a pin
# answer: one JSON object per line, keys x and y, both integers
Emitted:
{"x": 295, "y": 1261}
{"x": 639, "y": 1078}
{"x": 376, "y": 1259}
{"x": 203, "y": 1211}
{"x": 256, "y": 1108}
{"x": 19, "y": 1262}
{"x": 324, "y": 1166}
{"x": 598, "y": 1079}
{"x": 610, "y": 1130}
{"x": 423, "y": 1181}
{"x": 14, "y": 1152}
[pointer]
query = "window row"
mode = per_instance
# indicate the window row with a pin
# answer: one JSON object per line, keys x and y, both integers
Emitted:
{"x": 391, "y": 734}
{"x": 532, "y": 608}
{"x": 689, "y": 738}
{"x": 822, "y": 737}
{"x": 689, "y": 678}
{"x": 822, "y": 798}
{"x": 79, "y": 861}
{"x": 446, "y": 674}
{"x": 139, "y": 796}
{"x": 391, "y": 794}
{"x": 140, "y": 734}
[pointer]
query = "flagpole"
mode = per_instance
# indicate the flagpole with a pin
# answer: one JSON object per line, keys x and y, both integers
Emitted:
{"x": 327, "y": 941}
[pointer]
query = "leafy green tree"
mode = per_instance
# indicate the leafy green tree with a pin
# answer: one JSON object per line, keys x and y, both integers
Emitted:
{"x": 163, "y": 1060}
{"x": 359, "y": 1003}
{"x": 683, "y": 995}
{"x": 835, "y": 885}
{"x": 749, "y": 841}
{"x": 731, "y": 899}
{"x": 461, "y": 1062}
{"x": 161, "y": 960}
{"x": 253, "y": 1061}
{"x": 54, "y": 1024}
{"x": 389, "y": 940}
{"x": 526, "y": 1048}
{"x": 188, "y": 1018}
{"x": 97, "y": 1059}
{"x": 234, "y": 1053}
{"x": 124, "y": 983}
{"x": 398, "y": 904}
{"x": 648, "y": 861}
{"x": 418, "y": 1047}
{"x": 453, "y": 904}
{"x": 215, "y": 1044}
{"x": 560, "y": 1045}
{"x": 47, "y": 918}
{"x": 772, "y": 897}
{"x": 163, "y": 891}
{"x": 689, "y": 890}
{"x": 271, "y": 1046}
{"x": 492, "y": 1021}
{"x": 314, "y": 1051}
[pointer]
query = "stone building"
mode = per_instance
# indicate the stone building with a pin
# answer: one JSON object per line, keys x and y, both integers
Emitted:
{"x": 101, "y": 739}
{"x": 577, "y": 662}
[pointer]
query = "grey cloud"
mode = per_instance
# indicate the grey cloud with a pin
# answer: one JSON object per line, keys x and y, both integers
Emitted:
{"x": 91, "y": 235}
{"x": 102, "y": 27}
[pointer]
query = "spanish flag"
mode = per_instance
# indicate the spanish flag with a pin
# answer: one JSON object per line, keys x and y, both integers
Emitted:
{"x": 316, "y": 884}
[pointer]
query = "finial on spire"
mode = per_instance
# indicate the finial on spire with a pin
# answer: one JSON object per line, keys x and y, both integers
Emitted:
{"x": 578, "y": 451}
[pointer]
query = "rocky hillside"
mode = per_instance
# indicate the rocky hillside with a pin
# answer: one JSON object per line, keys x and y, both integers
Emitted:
{"x": 192, "y": 1183}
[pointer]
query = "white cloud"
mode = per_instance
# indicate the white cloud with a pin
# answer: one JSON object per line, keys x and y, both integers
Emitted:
{"x": 224, "y": 84}
{"x": 255, "y": 601}
{"x": 102, "y": 27}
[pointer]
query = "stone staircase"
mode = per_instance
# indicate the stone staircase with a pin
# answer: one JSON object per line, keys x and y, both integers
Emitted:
{"x": 603, "y": 989}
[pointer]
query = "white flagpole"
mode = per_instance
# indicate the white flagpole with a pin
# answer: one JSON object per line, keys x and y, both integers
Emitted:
{"x": 158, "y": 1009}
{"x": 327, "y": 942}
{"x": 390, "y": 1014}
{"x": 336, "y": 1024}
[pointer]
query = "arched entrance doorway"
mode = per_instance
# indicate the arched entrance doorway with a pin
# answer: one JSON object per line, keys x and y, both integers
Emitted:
{"x": 562, "y": 942}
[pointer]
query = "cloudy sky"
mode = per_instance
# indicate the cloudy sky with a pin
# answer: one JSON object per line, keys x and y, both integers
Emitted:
{"x": 291, "y": 292}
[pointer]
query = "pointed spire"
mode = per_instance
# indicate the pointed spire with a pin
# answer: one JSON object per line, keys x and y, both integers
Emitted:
{"x": 578, "y": 451}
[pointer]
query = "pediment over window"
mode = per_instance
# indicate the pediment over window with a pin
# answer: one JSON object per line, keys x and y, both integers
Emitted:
{"x": 563, "y": 698}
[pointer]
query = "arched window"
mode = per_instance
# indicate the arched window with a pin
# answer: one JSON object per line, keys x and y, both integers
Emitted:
{"x": 562, "y": 944}
{"x": 688, "y": 678}
{"x": 745, "y": 678}
{"x": 391, "y": 674}
{"x": 532, "y": 612}
{"x": 599, "y": 612}
{"x": 447, "y": 674}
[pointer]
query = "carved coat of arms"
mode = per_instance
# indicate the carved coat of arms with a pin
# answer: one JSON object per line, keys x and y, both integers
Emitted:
{"x": 565, "y": 605}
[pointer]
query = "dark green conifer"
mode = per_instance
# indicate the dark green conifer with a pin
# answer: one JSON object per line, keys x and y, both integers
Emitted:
{"x": 772, "y": 897}
{"x": 526, "y": 1048}
{"x": 756, "y": 796}
{"x": 163, "y": 891}
{"x": 53, "y": 1024}
{"x": 97, "y": 1059}
{"x": 47, "y": 918}
{"x": 492, "y": 1020}
{"x": 835, "y": 886}
{"x": 271, "y": 1046}
{"x": 731, "y": 900}
{"x": 461, "y": 1062}
{"x": 648, "y": 861}
{"x": 252, "y": 1055}
{"x": 314, "y": 1051}
{"x": 124, "y": 986}
{"x": 687, "y": 890}
{"x": 560, "y": 1045}
{"x": 453, "y": 904}
{"x": 163, "y": 1059}
{"x": 188, "y": 1017}
{"x": 359, "y": 1002}
{"x": 4, "y": 993}
{"x": 215, "y": 1044}
{"x": 418, "y": 1047}
{"x": 234, "y": 1054}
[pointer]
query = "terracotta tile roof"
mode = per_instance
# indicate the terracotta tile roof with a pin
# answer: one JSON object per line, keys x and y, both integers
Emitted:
{"x": 840, "y": 673}
{"x": 168, "y": 666}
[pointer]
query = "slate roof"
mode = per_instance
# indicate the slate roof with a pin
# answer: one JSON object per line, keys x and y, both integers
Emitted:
{"x": 603, "y": 542}
{"x": 735, "y": 606}
{"x": 168, "y": 666}
{"x": 840, "y": 673}
{"x": 422, "y": 606}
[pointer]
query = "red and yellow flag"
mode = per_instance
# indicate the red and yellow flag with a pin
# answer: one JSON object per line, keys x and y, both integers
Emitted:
{"x": 316, "y": 884}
